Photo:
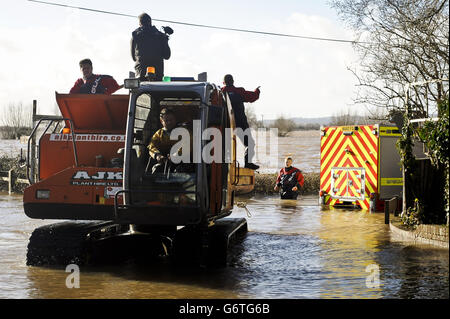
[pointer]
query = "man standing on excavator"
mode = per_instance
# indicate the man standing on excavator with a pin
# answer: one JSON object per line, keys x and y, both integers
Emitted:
{"x": 239, "y": 95}
{"x": 149, "y": 47}
{"x": 94, "y": 83}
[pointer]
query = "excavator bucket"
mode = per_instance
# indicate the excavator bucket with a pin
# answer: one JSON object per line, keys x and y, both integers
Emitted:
{"x": 93, "y": 113}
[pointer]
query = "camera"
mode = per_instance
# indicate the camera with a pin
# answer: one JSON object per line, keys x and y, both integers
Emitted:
{"x": 168, "y": 30}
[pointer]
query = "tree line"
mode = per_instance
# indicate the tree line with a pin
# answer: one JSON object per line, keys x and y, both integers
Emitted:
{"x": 16, "y": 120}
{"x": 342, "y": 117}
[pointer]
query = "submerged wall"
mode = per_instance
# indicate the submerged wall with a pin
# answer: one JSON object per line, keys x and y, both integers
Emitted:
{"x": 436, "y": 235}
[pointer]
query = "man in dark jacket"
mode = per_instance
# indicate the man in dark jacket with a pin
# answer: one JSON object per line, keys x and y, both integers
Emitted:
{"x": 149, "y": 47}
{"x": 237, "y": 96}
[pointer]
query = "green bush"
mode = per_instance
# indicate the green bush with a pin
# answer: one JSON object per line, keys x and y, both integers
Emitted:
{"x": 421, "y": 206}
{"x": 435, "y": 136}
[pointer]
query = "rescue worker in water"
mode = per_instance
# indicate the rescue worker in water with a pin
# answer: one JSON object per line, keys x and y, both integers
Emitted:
{"x": 290, "y": 180}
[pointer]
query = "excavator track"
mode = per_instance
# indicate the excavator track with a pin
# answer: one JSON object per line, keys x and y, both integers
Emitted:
{"x": 68, "y": 242}
{"x": 81, "y": 243}
{"x": 209, "y": 247}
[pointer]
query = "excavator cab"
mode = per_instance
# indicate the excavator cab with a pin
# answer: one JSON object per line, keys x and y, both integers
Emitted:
{"x": 197, "y": 179}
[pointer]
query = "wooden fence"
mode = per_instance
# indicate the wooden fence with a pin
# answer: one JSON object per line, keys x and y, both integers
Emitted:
{"x": 11, "y": 178}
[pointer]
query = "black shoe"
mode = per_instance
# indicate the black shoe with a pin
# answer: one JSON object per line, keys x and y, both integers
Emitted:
{"x": 251, "y": 166}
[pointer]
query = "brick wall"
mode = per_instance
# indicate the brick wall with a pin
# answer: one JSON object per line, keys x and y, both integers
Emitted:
{"x": 434, "y": 232}
{"x": 424, "y": 234}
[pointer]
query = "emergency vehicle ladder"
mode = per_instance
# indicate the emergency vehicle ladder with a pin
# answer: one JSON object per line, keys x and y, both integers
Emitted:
{"x": 348, "y": 179}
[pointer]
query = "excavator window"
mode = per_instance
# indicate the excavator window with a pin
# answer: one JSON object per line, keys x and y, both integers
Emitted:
{"x": 163, "y": 181}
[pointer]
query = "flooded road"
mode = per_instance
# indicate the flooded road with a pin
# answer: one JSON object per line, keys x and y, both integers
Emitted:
{"x": 11, "y": 148}
{"x": 292, "y": 250}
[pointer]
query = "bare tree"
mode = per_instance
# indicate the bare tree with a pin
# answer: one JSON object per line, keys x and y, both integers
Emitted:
{"x": 251, "y": 117}
{"x": 16, "y": 120}
{"x": 400, "y": 42}
{"x": 284, "y": 125}
{"x": 349, "y": 117}
{"x": 344, "y": 118}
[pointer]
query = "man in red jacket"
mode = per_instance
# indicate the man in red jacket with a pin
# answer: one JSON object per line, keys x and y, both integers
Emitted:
{"x": 94, "y": 83}
{"x": 247, "y": 96}
{"x": 237, "y": 96}
{"x": 290, "y": 179}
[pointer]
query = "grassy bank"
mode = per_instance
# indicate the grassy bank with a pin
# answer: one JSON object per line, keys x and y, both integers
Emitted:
{"x": 264, "y": 183}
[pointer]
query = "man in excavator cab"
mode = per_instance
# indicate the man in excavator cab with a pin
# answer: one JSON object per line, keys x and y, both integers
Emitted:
{"x": 161, "y": 145}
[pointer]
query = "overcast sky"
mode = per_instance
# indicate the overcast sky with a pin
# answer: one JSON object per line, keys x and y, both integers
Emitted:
{"x": 41, "y": 45}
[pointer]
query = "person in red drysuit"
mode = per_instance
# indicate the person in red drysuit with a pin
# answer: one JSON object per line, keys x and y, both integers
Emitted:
{"x": 237, "y": 96}
{"x": 94, "y": 83}
{"x": 290, "y": 180}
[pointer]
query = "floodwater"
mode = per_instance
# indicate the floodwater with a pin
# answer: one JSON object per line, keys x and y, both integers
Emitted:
{"x": 293, "y": 249}
{"x": 270, "y": 152}
{"x": 11, "y": 148}
{"x": 270, "y": 156}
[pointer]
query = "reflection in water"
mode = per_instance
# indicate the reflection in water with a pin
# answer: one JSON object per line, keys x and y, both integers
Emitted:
{"x": 132, "y": 280}
{"x": 350, "y": 245}
{"x": 334, "y": 247}
{"x": 293, "y": 250}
